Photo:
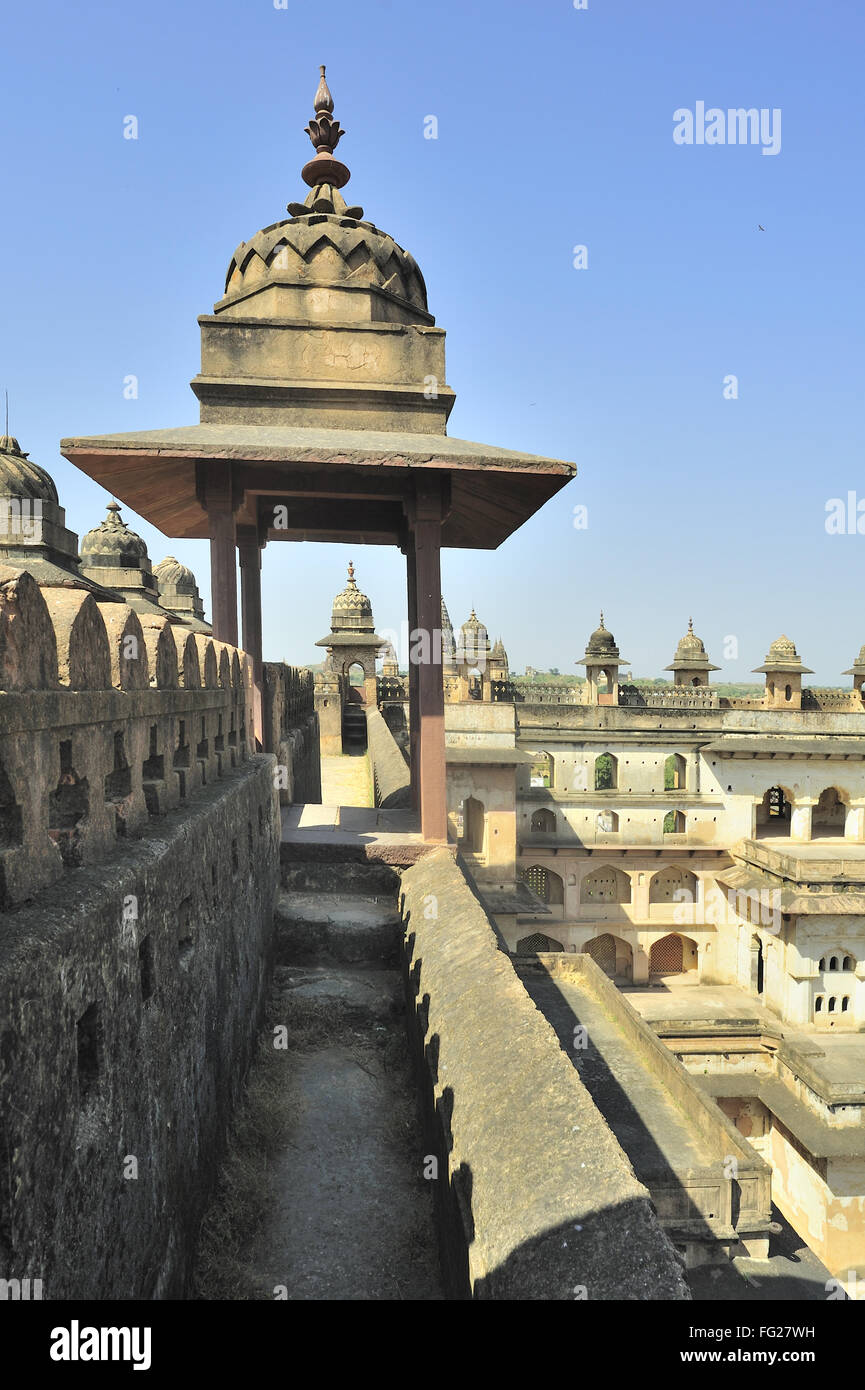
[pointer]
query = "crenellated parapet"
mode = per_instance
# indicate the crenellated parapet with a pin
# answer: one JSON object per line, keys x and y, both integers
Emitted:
{"x": 109, "y": 717}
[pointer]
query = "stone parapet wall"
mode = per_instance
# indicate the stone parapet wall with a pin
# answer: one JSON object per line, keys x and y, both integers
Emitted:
{"x": 130, "y": 994}
{"x": 139, "y": 841}
{"x": 390, "y": 772}
{"x": 536, "y": 1199}
{"x": 106, "y": 720}
{"x": 291, "y": 731}
{"x": 718, "y": 1134}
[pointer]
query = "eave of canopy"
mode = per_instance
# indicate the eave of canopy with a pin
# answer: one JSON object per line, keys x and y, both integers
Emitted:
{"x": 348, "y": 485}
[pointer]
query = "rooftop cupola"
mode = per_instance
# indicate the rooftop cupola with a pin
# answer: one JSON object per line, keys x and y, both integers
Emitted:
{"x": 375, "y": 359}
{"x": 602, "y": 661}
{"x": 691, "y": 664}
{"x": 784, "y": 672}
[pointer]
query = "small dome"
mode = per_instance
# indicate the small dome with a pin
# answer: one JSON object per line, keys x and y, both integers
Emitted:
{"x": 783, "y": 656}
{"x": 691, "y": 655}
{"x": 175, "y": 578}
{"x": 113, "y": 545}
{"x": 690, "y": 645}
{"x": 21, "y": 478}
{"x": 351, "y": 608}
{"x": 601, "y": 648}
{"x": 784, "y": 649}
{"x": 326, "y": 249}
{"x": 602, "y": 642}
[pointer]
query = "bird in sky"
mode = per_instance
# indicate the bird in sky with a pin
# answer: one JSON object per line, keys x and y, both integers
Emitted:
{"x": 759, "y": 228}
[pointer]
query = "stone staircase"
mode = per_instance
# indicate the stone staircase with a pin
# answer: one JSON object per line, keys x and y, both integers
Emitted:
{"x": 353, "y": 728}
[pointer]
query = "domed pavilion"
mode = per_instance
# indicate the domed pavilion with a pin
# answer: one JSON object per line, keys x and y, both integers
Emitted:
{"x": 323, "y": 413}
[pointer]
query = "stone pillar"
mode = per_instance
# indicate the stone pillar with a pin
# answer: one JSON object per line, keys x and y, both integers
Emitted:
{"x": 854, "y": 824}
{"x": 249, "y": 553}
{"x": 800, "y": 820}
{"x": 431, "y": 733}
{"x": 219, "y": 502}
{"x": 413, "y": 717}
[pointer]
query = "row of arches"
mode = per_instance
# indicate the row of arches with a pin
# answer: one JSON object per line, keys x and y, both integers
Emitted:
{"x": 608, "y": 884}
{"x": 828, "y": 816}
{"x": 672, "y": 954}
{"x": 543, "y": 822}
{"x": 605, "y": 772}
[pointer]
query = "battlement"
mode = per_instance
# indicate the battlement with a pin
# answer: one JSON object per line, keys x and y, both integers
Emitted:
{"x": 108, "y": 719}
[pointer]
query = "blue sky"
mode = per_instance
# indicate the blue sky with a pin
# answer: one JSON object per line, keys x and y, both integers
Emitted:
{"x": 555, "y": 129}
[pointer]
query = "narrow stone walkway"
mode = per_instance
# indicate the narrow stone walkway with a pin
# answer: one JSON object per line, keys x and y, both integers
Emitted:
{"x": 346, "y": 780}
{"x": 351, "y": 1216}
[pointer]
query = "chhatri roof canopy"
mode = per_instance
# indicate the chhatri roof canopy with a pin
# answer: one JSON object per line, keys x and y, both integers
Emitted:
{"x": 322, "y": 391}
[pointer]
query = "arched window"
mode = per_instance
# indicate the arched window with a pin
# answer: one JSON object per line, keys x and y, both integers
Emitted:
{"x": 606, "y": 885}
{"x": 673, "y": 885}
{"x": 818, "y": 1004}
{"x": 538, "y": 941}
{"x": 845, "y": 1003}
{"x": 607, "y": 822}
{"x": 674, "y": 823}
{"x": 614, "y": 956}
{"x": 547, "y": 885}
{"x": 829, "y": 815}
{"x": 543, "y": 822}
{"x": 675, "y": 773}
{"x": 672, "y": 955}
{"x": 831, "y": 1009}
{"x": 606, "y": 768}
{"x": 773, "y": 813}
{"x": 474, "y": 825}
{"x": 837, "y": 961}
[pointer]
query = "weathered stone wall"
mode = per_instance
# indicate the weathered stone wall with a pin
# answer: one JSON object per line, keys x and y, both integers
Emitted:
{"x": 139, "y": 842}
{"x": 536, "y": 1199}
{"x": 389, "y": 768}
{"x": 291, "y": 731}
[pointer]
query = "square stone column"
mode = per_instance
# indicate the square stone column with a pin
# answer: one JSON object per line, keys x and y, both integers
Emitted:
{"x": 249, "y": 554}
{"x": 431, "y": 732}
{"x": 216, "y": 492}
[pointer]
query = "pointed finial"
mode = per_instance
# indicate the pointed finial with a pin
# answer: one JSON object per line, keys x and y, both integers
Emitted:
{"x": 350, "y": 564}
{"x": 323, "y": 101}
{"x": 602, "y": 619}
{"x": 690, "y": 624}
{"x": 114, "y": 505}
{"x": 325, "y": 134}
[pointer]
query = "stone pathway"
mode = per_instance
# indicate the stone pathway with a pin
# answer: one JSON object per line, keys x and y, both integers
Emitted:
{"x": 351, "y": 1216}
{"x": 346, "y": 780}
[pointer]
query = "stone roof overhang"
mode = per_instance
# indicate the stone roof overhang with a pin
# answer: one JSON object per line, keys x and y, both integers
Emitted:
{"x": 692, "y": 663}
{"x": 762, "y": 745}
{"x": 503, "y": 757}
{"x": 821, "y": 1140}
{"x": 351, "y": 639}
{"x": 794, "y": 900}
{"x": 342, "y": 485}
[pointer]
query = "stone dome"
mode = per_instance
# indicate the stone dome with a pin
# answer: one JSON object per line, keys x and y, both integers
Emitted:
{"x": 783, "y": 656}
{"x": 324, "y": 242}
{"x": 326, "y": 248}
{"x": 175, "y": 578}
{"x": 602, "y": 642}
{"x": 691, "y": 654}
{"x": 19, "y": 477}
{"x": 783, "y": 649}
{"x": 498, "y": 652}
{"x": 351, "y": 608}
{"x": 113, "y": 545}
